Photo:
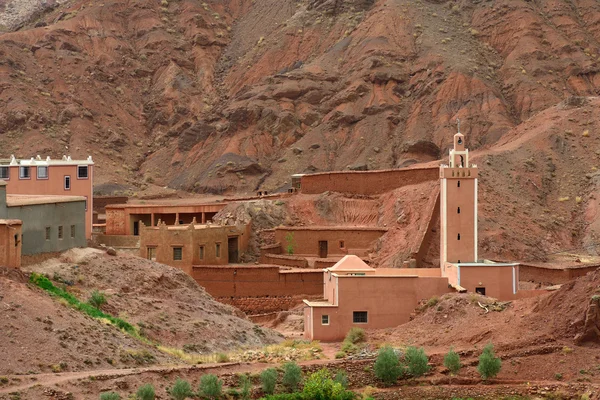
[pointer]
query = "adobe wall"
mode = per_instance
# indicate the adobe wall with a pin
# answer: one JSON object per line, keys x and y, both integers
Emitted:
{"x": 10, "y": 243}
{"x": 552, "y": 276}
{"x": 257, "y": 281}
{"x": 261, "y": 305}
{"x": 116, "y": 240}
{"x": 357, "y": 240}
{"x": 497, "y": 280}
{"x": 100, "y": 202}
{"x": 366, "y": 182}
{"x": 280, "y": 259}
{"x": 115, "y": 221}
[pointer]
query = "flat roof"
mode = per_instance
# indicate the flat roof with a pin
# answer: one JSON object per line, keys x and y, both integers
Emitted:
{"x": 332, "y": 228}
{"x": 33, "y": 161}
{"x": 16, "y": 200}
{"x": 485, "y": 264}
{"x": 11, "y": 222}
{"x": 162, "y": 205}
{"x": 318, "y": 303}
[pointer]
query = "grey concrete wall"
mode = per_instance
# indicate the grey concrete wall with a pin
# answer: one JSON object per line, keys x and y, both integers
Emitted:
{"x": 37, "y": 217}
{"x": 3, "y": 213}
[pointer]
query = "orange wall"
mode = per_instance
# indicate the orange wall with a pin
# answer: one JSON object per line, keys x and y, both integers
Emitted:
{"x": 10, "y": 243}
{"x": 356, "y": 240}
{"x": 54, "y": 185}
{"x": 366, "y": 182}
{"x": 498, "y": 281}
{"x": 257, "y": 281}
{"x": 389, "y": 301}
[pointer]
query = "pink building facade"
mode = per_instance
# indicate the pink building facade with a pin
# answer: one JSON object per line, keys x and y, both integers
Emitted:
{"x": 62, "y": 177}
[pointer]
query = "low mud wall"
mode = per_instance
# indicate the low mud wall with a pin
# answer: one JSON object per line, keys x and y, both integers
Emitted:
{"x": 262, "y": 305}
{"x": 552, "y": 276}
{"x": 366, "y": 182}
{"x": 288, "y": 261}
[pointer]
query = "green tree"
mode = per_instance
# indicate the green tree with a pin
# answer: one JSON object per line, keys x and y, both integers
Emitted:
{"x": 387, "y": 366}
{"x": 290, "y": 243}
{"x": 341, "y": 377}
{"x": 292, "y": 376}
{"x": 320, "y": 386}
{"x": 210, "y": 387}
{"x": 268, "y": 379}
{"x": 489, "y": 364}
{"x": 417, "y": 361}
{"x": 110, "y": 396}
{"x": 452, "y": 361}
{"x": 146, "y": 392}
{"x": 181, "y": 390}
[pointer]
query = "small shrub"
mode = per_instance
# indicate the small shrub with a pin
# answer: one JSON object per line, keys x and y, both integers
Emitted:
{"x": 341, "y": 377}
{"x": 355, "y": 335}
{"x": 146, "y": 392}
{"x": 558, "y": 376}
{"x": 452, "y": 361}
{"x": 222, "y": 358}
{"x": 292, "y": 376}
{"x": 417, "y": 361}
{"x": 210, "y": 387}
{"x": 268, "y": 379}
{"x": 97, "y": 299}
{"x": 489, "y": 364}
{"x": 387, "y": 366}
{"x": 245, "y": 387}
{"x": 320, "y": 386}
{"x": 340, "y": 354}
{"x": 290, "y": 245}
{"x": 349, "y": 347}
{"x": 110, "y": 396}
{"x": 181, "y": 390}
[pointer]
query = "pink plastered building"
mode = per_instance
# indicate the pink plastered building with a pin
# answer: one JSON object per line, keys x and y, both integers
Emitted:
{"x": 356, "y": 295}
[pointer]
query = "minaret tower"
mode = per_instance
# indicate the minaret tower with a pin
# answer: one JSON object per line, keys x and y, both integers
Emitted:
{"x": 458, "y": 203}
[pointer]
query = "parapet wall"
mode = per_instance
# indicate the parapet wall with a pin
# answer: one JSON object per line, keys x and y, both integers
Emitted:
{"x": 366, "y": 182}
{"x": 257, "y": 281}
{"x": 262, "y": 305}
{"x": 552, "y": 276}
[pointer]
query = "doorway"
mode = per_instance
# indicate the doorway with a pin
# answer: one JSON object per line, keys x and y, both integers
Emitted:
{"x": 480, "y": 290}
{"x": 323, "y": 248}
{"x": 232, "y": 249}
{"x": 136, "y": 228}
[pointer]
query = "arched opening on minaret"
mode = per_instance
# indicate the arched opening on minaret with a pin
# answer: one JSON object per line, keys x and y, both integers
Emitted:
{"x": 462, "y": 161}
{"x": 458, "y": 184}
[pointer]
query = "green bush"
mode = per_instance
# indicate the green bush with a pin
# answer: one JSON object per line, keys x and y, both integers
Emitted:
{"x": 245, "y": 387}
{"x": 340, "y": 354}
{"x": 349, "y": 347}
{"x": 210, "y": 387}
{"x": 417, "y": 361}
{"x": 268, "y": 379}
{"x": 181, "y": 390}
{"x": 341, "y": 377}
{"x": 146, "y": 392}
{"x": 292, "y": 376}
{"x": 320, "y": 386}
{"x": 110, "y": 396}
{"x": 290, "y": 245}
{"x": 286, "y": 396}
{"x": 387, "y": 366}
{"x": 222, "y": 358}
{"x": 452, "y": 361}
{"x": 489, "y": 364}
{"x": 355, "y": 335}
{"x": 97, "y": 299}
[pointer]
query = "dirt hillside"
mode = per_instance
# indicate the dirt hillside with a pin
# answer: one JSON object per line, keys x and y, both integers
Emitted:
{"x": 168, "y": 305}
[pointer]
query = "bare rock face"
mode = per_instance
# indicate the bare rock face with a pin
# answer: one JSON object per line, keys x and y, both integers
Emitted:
{"x": 15, "y": 13}
{"x": 590, "y": 332}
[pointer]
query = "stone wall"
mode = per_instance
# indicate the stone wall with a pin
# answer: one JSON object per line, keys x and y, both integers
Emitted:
{"x": 366, "y": 182}
{"x": 289, "y": 261}
{"x": 261, "y": 305}
{"x": 552, "y": 276}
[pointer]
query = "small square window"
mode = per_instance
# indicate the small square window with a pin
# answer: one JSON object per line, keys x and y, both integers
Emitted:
{"x": 218, "y": 250}
{"x": 359, "y": 317}
{"x": 67, "y": 182}
{"x": 47, "y": 233}
{"x": 324, "y": 319}
{"x": 60, "y": 232}
{"x": 201, "y": 253}
{"x": 151, "y": 253}
{"x": 72, "y": 231}
{"x": 24, "y": 173}
{"x": 82, "y": 172}
{"x": 42, "y": 172}
{"x": 4, "y": 173}
{"x": 342, "y": 244}
{"x": 177, "y": 253}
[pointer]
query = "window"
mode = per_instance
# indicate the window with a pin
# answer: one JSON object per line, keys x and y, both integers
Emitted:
{"x": 47, "y": 233}
{"x": 459, "y": 140}
{"x": 67, "y": 182}
{"x": 4, "y": 173}
{"x": 218, "y": 250}
{"x": 480, "y": 290}
{"x": 177, "y": 253}
{"x": 82, "y": 172}
{"x": 24, "y": 173}
{"x": 42, "y": 172}
{"x": 341, "y": 244}
{"x": 458, "y": 184}
{"x": 151, "y": 253}
{"x": 201, "y": 253}
{"x": 60, "y": 232}
{"x": 458, "y": 237}
{"x": 72, "y": 231}
{"x": 359, "y": 317}
{"x": 324, "y": 319}
{"x": 458, "y": 211}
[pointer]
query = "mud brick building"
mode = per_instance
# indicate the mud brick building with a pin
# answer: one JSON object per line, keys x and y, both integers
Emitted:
{"x": 10, "y": 243}
{"x": 54, "y": 177}
{"x": 356, "y": 295}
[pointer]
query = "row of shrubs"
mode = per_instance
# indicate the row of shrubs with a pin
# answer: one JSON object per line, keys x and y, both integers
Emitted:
{"x": 318, "y": 386}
